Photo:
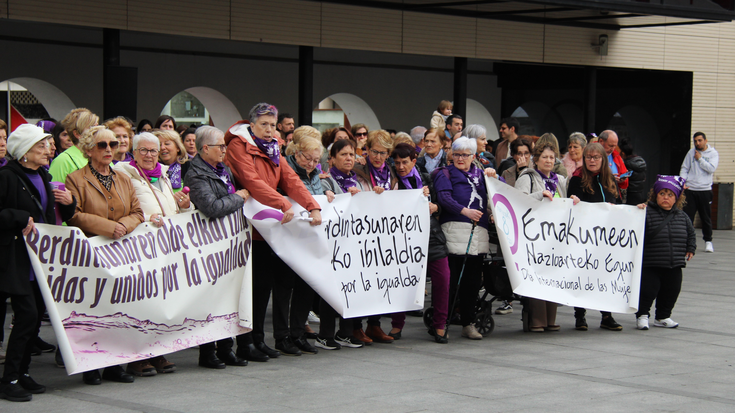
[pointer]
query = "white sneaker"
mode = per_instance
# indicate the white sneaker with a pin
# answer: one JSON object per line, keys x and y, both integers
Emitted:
{"x": 471, "y": 332}
{"x": 708, "y": 247}
{"x": 666, "y": 322}
{"x": 313, "y": 318}
{"x": 641, "y": 322}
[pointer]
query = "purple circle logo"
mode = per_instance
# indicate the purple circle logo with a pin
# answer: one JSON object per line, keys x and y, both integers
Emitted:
{"x": 505, "y": 221}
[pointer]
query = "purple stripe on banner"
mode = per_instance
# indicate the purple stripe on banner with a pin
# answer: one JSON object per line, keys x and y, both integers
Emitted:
{"x": 268, "y": 213}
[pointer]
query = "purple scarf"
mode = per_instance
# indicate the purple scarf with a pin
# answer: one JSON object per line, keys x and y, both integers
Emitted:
{"x": 380, "y": 177}
{"x": 151, "y": 176}
{"x": 551, "y": 182}
{"x": 3, "y": 162}
{"x": 345, "y": 181}
{"x": 415, "y": 174}
{"x": 174, "y": 175}
{"x": 271, "y": 149}
{"x": 223, "y": 175}
{"x": 128, "y": 158}
{"x": 474, "y": 175}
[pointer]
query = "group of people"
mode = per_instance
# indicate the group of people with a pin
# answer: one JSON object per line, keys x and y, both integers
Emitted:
{"x": 106, "y": 180}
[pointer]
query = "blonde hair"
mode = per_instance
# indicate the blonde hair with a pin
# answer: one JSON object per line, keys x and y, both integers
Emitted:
{"x": 79, "y": 120}
{"x": 445, "y": 104}
{"x": 380, "y": 137}
{"x": 403, "y": 137}
{"x": 170, "y": 135}
{"x": 306, "y": 144}
{"x": 302, "y": 132}
{"x": 90, "y": 136}
{"x": 120, "y": 122}
{"x": 550, "y": 140}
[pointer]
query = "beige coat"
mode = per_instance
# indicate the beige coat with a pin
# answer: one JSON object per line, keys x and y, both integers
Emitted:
{"x": 150, "y": 197}
{"x": 99, "y": 210}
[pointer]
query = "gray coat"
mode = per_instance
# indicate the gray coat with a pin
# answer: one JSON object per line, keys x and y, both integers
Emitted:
{"x": 208, "y": 192}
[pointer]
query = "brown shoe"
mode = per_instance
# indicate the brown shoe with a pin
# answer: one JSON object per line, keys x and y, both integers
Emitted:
{"x": 162, "y": 365}
{"x": 378, "y": 335}
{"x": 142, "y": 368}
{"x": 360, "y": 335}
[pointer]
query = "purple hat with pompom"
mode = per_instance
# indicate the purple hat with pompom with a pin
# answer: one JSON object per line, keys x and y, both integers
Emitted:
{"x": 673, "y": 182}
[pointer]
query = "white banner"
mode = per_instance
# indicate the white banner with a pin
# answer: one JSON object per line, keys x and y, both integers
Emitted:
{"x": 584, "y": 255}
{"x": 152, "y": 292}
{"x": 368, "y": 256}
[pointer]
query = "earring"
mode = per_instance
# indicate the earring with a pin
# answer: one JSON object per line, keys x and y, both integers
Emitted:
{"x": 25, "y": 159}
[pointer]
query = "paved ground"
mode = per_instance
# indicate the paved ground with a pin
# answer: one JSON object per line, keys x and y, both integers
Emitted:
{"x": 689, "y": 369}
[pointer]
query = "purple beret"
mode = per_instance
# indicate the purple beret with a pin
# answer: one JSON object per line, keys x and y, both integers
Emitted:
{"x": 673, "y": 182}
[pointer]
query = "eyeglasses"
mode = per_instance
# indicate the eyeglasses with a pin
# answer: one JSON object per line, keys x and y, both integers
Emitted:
{"x": 308, "y": 159}
{"x": 377, "y": 153}
{"x": 462, "y": 155}
{"x": 146, "y": 151}
{"x": 102, "y": 145}
{"x": 595, "y": 158}
{"x": 222, "y": 147}
{"x": 360, "y": 134}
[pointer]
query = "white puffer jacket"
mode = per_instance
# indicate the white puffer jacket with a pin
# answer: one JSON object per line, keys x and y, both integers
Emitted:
{"x": 458, "y": 236}
{"x": 149, "y": 201}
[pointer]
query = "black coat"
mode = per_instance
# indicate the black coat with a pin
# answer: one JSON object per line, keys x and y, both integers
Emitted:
{"x": 208, "y": 192}
{"x": 16, "y": 206}
{"x": 668, "y": 249}
{"x": 574, "y": 187}
{"x": 636, "y": 182}
{"x": 421, "y": 163}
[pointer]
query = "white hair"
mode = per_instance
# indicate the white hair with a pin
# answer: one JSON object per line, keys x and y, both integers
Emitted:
{"x": 474, "y": 131}
{"x": 207, "y": 135}
{"x": 417, "y": 133}
{"x": 464, "y": 144}
{"x": 146, "y": 137}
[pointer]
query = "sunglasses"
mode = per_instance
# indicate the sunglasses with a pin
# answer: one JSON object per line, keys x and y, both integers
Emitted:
{"x": 361, "y": 134}
{"x": 102, "y": 145}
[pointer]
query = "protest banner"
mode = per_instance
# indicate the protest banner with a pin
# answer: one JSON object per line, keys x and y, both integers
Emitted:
{"x": 367, "y": 257}
{"x": 152, "y": 292}
{"x": 586, "y": 255}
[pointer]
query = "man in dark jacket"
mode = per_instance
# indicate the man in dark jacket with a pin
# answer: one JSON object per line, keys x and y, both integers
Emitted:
{"x": 637, "y": 190}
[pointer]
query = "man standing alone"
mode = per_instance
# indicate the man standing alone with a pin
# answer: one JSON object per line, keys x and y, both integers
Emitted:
{"x": 698, "y": 168}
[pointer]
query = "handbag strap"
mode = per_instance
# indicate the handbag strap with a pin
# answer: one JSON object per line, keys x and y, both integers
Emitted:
{"x": 145, "y": 178}
{"x": 33, "y": 197}
{"x": 663, "y": 224}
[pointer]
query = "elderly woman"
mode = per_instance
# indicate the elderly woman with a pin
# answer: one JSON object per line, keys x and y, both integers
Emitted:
{"x": 189, "y": 138}
{"x": 123, "y": 130}
{"x": 479, "y": 133}
{"x": 157, "y": 200}
{"x": 433, "y": 155}
{"x": 520, "y": 153}
{"x": 572, "y": 160}
{"x": 542, "y": 182}
{"x": 212, "y": 190}
{"x": 360, "y": 134}
{"x": 255, "y": 158}
{"x": 106, "y": 205}
{"x": 165, "y": 122}
{"x": 463, "y": 197}
{"x": 549, "y": 139}
{"x": 329, "y": 137}
{"x": 408, "y": 177}
{"x": 342, "y": 157}
{"x": 76, "y": 123}
{"x": 26, "y": 198}
{"x": 172, "y": 154}
{"x": 3, "y": 142}
{"x": 594, "y": 182}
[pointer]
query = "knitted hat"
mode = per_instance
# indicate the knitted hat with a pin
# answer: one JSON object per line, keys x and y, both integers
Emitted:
{"x": 673, "y": 182}
{"x": 23, "y": 139}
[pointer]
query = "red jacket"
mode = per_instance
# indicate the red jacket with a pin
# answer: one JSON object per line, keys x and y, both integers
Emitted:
{"x": 254, "y": 171}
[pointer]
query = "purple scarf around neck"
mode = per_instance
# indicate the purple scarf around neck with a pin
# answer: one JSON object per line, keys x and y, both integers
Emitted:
{"x": 174, "y": 175}
{"x": 223, "y": 175}
{"x": 345, "y": 181}
{"x": 271, "y": 149}
{"x": 380, "y": 177}
{"x": 551, "y": 182}
{"x": 3, "y": 162}
{"x": 415, "y": 174}
{"x": 149, "y": 175}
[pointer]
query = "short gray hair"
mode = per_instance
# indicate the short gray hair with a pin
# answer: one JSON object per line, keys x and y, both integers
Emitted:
{"x": 417, "y": 134}
{"x": 207, "y": 135}
{"x": 262, "y": 109}
{"x": 474, "y": 131}
{"x": 465, "y": 144}
{"x": 146, "y": 137}
{"x": 578, "y": 138}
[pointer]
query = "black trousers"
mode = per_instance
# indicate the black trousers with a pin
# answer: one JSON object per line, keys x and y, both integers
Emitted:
{"x": 469, "y": 286}
{"x": 261, "y": 255}
{"x": 23, "y": 334}
{"x": 662, "y": 285}
{"x": 327, "y": 316}
{"x": 700, "y": 201}
{"x": 292, "y": 300}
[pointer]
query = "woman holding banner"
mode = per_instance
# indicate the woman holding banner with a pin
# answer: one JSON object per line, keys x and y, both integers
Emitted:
{"x": 157, "y": 200}
{"x": 541, "y": 182}
{"x": 212, "y": 191}
{"x": 106, "y": 205}
{"x": 27, "y": 197}
{"x": 254, "y": 155}
{"x": 463, "y": 197}
{"x": 594, "y": 182}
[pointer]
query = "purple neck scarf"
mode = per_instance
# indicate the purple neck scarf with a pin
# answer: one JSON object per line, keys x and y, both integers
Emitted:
{"x": 174, "y": 175}
{"x": 152, "y": 175}
{"x": 380, "y": 177}
{"x": 222, "y": 174}
{"x": 345, "y": 181}
{"x": 3, "y": 162}
{"x": 415, "y": 174}
{"x": 551, "y": 182}
{"x": 474, "y": 175}
{"x": 128, "y": 158}
{"x": 271, "y": 149}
